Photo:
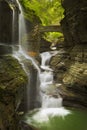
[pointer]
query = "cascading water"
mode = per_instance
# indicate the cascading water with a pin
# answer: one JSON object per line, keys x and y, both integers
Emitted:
{"x": 47, "y": 86}
{"x": 13, "y": 23}
{"x": 44, "y": 90}
{"x": 22, "y": 25}
{"x": 32, "y": 95}
{"x": 51, "y": 111}
{"x": 51, "y": 100}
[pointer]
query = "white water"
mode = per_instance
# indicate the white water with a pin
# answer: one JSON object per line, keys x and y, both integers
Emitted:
{"x": 25, "y": 59}
{"x": 44, "y": 115}
{"x": 21, "y": 55}
{"x": 51, "y": 106}
{"x": 47, "y": 85}
{"x": 22, "y": 27}
{"x": 13, "y": 25}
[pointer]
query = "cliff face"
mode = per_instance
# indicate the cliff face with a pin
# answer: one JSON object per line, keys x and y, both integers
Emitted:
{"x": 7, "y": 19}
{"x": 13, "y": 81}
{"x": 71, "y": 66}
{"x": 74, "y": 24}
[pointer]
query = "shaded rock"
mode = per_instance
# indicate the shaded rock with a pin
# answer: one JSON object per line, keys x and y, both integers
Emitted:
{"x": 73, "y": 28}
{"x": 73, "y": 72}
{"x": 12, "y": 83}
{"x": 60, "y": 63}
{"x": 74, "y": 97}
{"x": 77, "y": 74}
{"x": 6, "y": 22}
{"x": 44, "y": 45}
{"x": 5, "y": 49}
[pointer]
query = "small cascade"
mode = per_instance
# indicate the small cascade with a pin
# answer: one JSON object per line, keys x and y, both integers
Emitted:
{"x": 14, "y": 46}
{"x": 29, "y": 65}
{"x": 32, "y": 70}
{"x": 13, "y": 24}
{"x": 51, "y": 100}
{"x": 41, "y": 90}
{"x": 47, "y": 85}
{"x": 22, "y": 27}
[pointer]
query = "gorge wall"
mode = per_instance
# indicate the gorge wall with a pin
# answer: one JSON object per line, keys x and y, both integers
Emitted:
{"x": 71, "y": 66}
{"x": 13, "y": 79}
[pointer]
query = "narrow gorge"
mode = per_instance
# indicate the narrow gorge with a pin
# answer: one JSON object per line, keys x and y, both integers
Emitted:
{"x": 43, "y": 61}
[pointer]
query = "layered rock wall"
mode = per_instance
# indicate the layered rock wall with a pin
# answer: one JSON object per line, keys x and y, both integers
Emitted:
{"x": 71, "y": 66}
{"x": 74, "y": 24}
{"x": 74, "y": 27}
{"x": 7, "y": 11}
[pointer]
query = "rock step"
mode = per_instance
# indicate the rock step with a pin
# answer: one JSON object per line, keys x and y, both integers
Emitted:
{"x": 77, "y": 73}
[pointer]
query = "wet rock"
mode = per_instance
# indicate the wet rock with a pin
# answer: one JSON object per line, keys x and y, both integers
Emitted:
{"x": 5, "y": 49}
{"x": 12, "y": 83}
{"x": 31, "y": 98}
{"x": 60, "y": 65}
{"x": 74, "y": 97}
{"x": 76, "y": 75}
{"x": 73, "y": 28}
{"x": 45, "y": 45}
{"x": 6, "y": 22}
{"x": 73, "y": 72}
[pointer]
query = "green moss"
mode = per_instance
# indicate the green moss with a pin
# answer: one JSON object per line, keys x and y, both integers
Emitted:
{"x": 12, "y": 74}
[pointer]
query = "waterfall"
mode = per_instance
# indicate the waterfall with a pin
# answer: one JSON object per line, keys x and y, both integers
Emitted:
{"x": 29, "y": 65}
{"x": 51, "y": 101}
{"x": 47, "y": 85}
{"x": 15, "y": 26}
{"x": 22, "y": 27}
{"x": 13, "y": 23}
{"x": 41, "y": 90}
{"x": 46, "y": 88}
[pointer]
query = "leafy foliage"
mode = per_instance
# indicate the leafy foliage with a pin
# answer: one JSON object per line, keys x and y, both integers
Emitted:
{"x": 49, "y": 11}
{"x": 53, "y": 36}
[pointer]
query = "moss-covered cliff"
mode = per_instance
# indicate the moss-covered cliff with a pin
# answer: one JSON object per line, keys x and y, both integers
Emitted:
{"x": 13, "y": 80}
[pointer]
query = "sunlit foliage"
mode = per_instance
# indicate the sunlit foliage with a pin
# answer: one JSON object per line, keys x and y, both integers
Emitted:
{"x": 49, "y": 11}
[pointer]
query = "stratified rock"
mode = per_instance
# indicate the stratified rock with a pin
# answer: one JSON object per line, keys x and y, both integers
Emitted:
{"x": 70, "y": 68}
{"x": 74, "y": 28}
{"x": 74, "y": 23}
{"x": 12, "y": 83}
{"x": 77, "y": 74}
{"x": 75, "y": 81}
{"x": 60, "y": 63}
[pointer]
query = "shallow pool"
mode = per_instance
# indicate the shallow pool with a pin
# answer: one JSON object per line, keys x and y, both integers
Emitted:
{"x": 57, "y": 119}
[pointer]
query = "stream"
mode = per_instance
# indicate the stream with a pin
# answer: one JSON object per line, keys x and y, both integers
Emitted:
{"x": 52, "y": 115}
{"x": 41, "y": 88}
{"x": 47, "y": 85}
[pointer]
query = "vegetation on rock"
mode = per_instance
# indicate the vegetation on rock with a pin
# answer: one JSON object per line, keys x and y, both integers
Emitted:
{"x": 50, "y": 12}
{"x": 12, "y": 82}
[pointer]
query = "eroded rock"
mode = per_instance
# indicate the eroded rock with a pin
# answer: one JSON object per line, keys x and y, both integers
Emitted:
{"x": 73, "y": 72}
{"x": 12, "y": 83}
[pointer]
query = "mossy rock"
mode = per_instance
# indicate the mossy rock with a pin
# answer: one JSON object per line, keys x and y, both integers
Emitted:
{"x": 13, "y": 80}
{"x": 12, "y": 74}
